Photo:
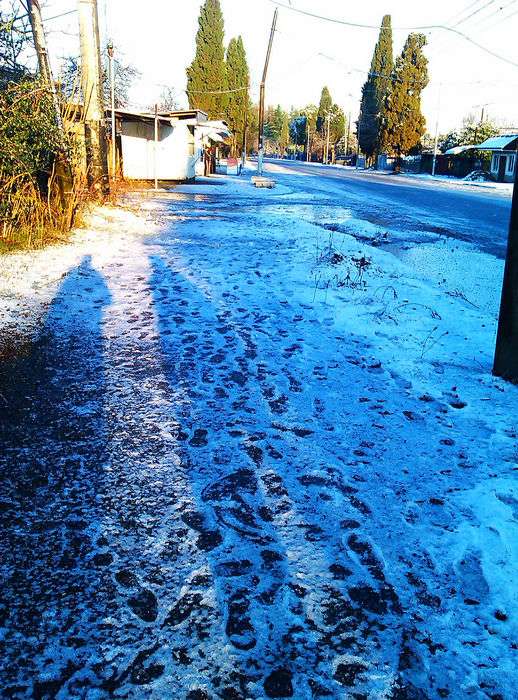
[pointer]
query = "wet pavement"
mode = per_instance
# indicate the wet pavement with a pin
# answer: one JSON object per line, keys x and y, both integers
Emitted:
{"x": 467, "y": 213}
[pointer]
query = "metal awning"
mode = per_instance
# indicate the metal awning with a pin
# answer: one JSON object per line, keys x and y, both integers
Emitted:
{"x": 498, "y": 143}
{"x": 216, "y": 130}
{"x": 190, "y": 117}
{"x": 458, "y": 149}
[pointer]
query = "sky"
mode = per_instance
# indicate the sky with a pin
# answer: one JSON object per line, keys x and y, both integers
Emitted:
{"x": 158, "y": 37}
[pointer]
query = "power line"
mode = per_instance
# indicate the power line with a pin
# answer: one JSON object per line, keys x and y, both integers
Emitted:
{"x": 480, "y": 9}
{"x": 494, "y": 13}
{"x": 503, "y": 19}
{"x": 63, "y": 14}
{"x": 216, "y": 92}
{"x": 456, "y": 17}
{"x": 459, "y": 15}
{"x": 513, "y": 14}
{"x": 424, "y": 28}
{"x": 354, "y": 69}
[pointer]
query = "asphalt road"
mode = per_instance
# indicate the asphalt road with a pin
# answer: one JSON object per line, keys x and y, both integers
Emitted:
{"x": 478, "y": 216}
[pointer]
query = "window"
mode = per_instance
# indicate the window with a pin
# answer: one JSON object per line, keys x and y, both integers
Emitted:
{"x": 192, "y": 145}
{"x": 510, "y": 164}
{"x": 494, "y": 164}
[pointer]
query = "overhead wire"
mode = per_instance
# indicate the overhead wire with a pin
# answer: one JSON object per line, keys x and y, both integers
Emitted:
{"x": 63, "y": 14}
{"x": 216, "y": 92}
{"x": 423, "y": 28}
{"x": 476, "y": 12}
{"x": 458, "y": 15}
{"x": 499, "y": 20}
{"x": 443, "y": 40}
{"x": 494, "y": 13}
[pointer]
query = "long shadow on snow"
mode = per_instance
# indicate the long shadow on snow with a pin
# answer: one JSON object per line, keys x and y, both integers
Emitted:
{"x": 231, "y": 513}
{"x": 52, "y": 441}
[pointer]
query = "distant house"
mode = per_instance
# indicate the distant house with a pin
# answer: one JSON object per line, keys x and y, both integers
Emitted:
{"x": 174, "y": 155}
{"x": 503, "y": 156}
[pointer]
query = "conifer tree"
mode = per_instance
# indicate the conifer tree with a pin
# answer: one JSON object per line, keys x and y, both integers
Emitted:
{"x": 284, "y": 140}
{"x": 404, "y": 123}
{"x": 374, "y": 91}
{"x": 238, "y": 76}
{"x": 337, "y": 125}
{"x": 207, "y": 72}
{"x": 277, "y": 122}
{"x": 324, "y": 107}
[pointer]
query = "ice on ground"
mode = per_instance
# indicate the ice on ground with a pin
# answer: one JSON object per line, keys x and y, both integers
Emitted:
{"x": 255, "y": 450}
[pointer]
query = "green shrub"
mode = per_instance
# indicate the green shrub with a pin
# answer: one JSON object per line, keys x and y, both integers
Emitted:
{"x": 38, "y": 195}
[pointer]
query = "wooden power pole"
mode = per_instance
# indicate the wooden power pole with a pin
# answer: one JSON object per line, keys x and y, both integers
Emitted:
{"x": 506, "y": 352}
{"x": 261, "y": 95}
{"x": 40, "y": 44}
{"x": 95, "y": 131}
{"x": 328, "y": 119}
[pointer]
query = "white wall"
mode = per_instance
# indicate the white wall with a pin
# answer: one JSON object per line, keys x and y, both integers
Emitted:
{"x": 175, "y": 158}
{"x": 510, "y": 164}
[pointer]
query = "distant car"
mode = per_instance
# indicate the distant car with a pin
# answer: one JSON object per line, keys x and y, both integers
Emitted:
{"x": 479, "y": 176}
{"x": 344, "y": 160}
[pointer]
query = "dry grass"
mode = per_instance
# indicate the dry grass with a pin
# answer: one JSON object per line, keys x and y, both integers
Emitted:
{"x": 29, "y": 219}
{"x": 39, "y": 206}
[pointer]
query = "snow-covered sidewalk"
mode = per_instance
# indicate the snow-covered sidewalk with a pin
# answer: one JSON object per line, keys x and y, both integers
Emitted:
{"x": 255, "y": 450}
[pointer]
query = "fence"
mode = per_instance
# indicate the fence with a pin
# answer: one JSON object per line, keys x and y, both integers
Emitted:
{"x": 453, "y": 165}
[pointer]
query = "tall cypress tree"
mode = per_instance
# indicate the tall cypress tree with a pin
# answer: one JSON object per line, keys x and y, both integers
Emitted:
{"x": 238, "y": 76}
{"x": 403, "y": 123}
{"x": 207, "y": 73}
{"x": 375, "y": 90}
{"x": 284, "y": 140}
{"x": 324, "y": 107}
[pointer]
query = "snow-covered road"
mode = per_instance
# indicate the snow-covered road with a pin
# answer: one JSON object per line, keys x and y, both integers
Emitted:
{"x": 256, "y": 451}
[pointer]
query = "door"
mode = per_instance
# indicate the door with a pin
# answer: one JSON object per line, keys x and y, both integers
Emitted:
{"x": 502, "y": 163}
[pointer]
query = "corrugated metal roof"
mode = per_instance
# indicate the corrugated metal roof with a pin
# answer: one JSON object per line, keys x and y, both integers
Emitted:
{"x": 497, "y": 143}
{"x": 458, "y": 149}
{"x": 185, "y": 115}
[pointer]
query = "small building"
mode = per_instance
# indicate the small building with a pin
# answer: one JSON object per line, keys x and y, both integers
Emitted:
{"x": 210, "y": 136}
{"x": 174, "y": 155}
{"x": 184, "y": 142}
{"x": 503, "y": 156}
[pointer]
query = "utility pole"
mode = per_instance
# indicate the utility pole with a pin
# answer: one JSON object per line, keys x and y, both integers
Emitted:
{"x": 506, "y": 351}
{"x": 348, "y": 134}
{"x": 155, "y": 151}
{"x": 112, "y": 100}
{"x": 261, "y": 95}
{"x": 40, "y": 44}
{"x": 328, "y": 136}
{"x": 357, "y": 165}
{"x": 243, "y": 150}
{"x": 436, "y": 139}
{"x": 307, "y": 141}
{"x": 95, "y": 131}
{"x": 480, "y": 123}
{"x": 328, "y": 118}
